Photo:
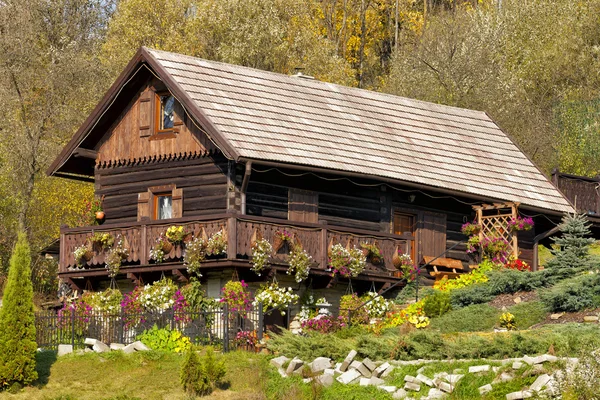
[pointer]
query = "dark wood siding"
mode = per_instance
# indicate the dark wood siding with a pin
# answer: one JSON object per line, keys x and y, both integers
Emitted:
{"x": 203, "y": 180}
{"x": 431, "y": 234}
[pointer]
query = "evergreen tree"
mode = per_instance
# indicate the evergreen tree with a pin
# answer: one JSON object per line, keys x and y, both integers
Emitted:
{"x": 17, "y": 321}
{"x": 572, "y": 255}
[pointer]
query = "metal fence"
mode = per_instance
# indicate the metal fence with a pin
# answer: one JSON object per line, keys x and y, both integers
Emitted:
{"x": 217, "y": 327}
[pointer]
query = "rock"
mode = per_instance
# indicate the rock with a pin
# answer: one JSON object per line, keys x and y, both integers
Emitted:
{"x": 349, "y": 358}
{"x": 387, "y": 371}
{"x": 399, "y": 394}
{"x": 307, "y": 380}
{"x": 540, "y": 382}
{"x": 389, "y": 389}
{"x": 524, "y": 394}
{"x": 294, "y": 365}
{"x": 379, "y": 370}
{"x": 364, "y": 381}
{"x": 425, "y": 380}
{"x": 485, "y": 389}
{"x": 369, "y": 364}
{"x": 325, "y": 380}
{"x": 89, "y": 341}
{"x": 550, "y": 358}
{"x": 354, "y": 364}
{"x": 420, "y": 370}
{"x": 88, "y": 350}
{"x": 410, "y": 378}
{"x": 117, "y": 346}
{"x": 128, "y": 349}
{"x": 504, "y": 377}
{"x": 458, "y": 371}
{"x": 64, "y": 349}
{"x": 279, "y": 361}
{"x": 374, "y": 381}
{"x": 590, "y": 318}
{"x": 329, "y": 371}
{"x": 139, "y": 346}
{"x": 282, "y": 372}
{"x": 517, "y": 365}
{"x": 320, "y": 364}
{"x": 556, "y": 316}
{"x": 446, "y": 387}
{"x": 415, "y": 387}
{"x": 348, "y": 376}
{"x": 517, "y": 300}
{"x": 529, "y": 360}
{"x": 537, "y": 369}
{"x": 100, "y": 347}
{"x": 454, "y": 378}
{"x": 366, "y": 372}
{"x": 495, "y": 369}
{"x": 479, "y": 368}
{"x": 436, "y": 394}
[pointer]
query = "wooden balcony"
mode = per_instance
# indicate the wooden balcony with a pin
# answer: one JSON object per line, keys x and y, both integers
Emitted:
{"x": 139, "y": 237}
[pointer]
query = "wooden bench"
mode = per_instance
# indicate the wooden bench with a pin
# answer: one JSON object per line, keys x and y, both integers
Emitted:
{"x": 451, "y": 267}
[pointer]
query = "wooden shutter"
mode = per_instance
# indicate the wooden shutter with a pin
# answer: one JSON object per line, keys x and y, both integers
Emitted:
{"x": 431, "y": 234}
{"x": 177, "y": 199}
{"x": 143, "y": 206}
{"x": 146, "y": 114}
{"x": 303, "y": 206}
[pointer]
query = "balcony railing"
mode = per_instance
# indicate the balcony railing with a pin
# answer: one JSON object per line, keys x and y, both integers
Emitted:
{"x": 139, "y": 237}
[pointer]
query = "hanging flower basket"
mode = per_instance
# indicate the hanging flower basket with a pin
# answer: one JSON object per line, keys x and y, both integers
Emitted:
{"x": 520, "y": 224}
{"x": 82, "y": 255}
{"x": 176, "y": 234}
{"x": 470, "y": 228}
{"x": 401, "y": 260}
{"x": 280, "y": 238}
{"x": 372, "y": 252}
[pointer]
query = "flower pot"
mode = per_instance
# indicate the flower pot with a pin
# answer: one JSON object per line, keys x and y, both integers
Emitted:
{"x": 167, "y": 247}
{"x": 375, "y": 260}
{"x": 87, "y": 256}
{"x": 99, "y": 215}
{"x": 397, "y": 261}
{"x": 277, "y": 243}
{"x": 365, "y": 252}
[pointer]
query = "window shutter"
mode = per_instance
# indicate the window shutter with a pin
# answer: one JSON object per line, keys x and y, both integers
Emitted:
{"x": 143, "y": 206}
{"x": 303, "y": 206}
{"x": 431, "y": 234}
{"x": 146, "y": 113}
{"x": 177, "y": 203}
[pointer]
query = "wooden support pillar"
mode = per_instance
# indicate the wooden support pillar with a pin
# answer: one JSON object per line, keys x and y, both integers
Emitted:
{"x": 323, "y": 256}
{"x": 144, "y": 251}
{"x": 232, "y": 236}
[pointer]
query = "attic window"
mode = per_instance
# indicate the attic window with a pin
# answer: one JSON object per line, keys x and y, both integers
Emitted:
{"x": 165, "y": 112}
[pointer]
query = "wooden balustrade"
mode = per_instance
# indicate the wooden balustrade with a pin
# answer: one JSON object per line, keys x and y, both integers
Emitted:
{"x": 139, "y": 237}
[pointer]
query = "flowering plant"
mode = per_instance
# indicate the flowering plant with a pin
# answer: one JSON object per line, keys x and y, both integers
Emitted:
{"x": 520, "y": 224}
{"x": 350, "y": 304}
{"x": 246, "y": 338}
{"x": 473, "y": 244}
{"x": 180, "y": 306}
{"x": 237, "y": 297}
{"x": 273, "y": 297}
{"x": 82, "y": 255}
{"x": 261, "y": 254}
{"x": 81, "y": 312}
{"x": 161, "y": 248}
{"x": 323, "y": 323}
{"x": 158, "y": 296}
{"x": 88, "y": 216}
{"x": 476, "y": 276}
{"x": 217, "y": 244}
{"x": 370, "y": 250}
{"x": 175, "y": 234}
{"x": 194, "y": 255}
{"x": 284, "y": 235}
{"x": 115, "y": 257}
{"x": 132, "y": 307}
{"x": 102, "y": 240}
{"x": 470, "y": 228}
{"x": 377, "y": 307}
{"x": 419, "y": 322}
{"x": 346, "y": 262}
{"x": 300, "y": 262}
{"x": 495, "y": 249}
{"x": 507, "y": 321}
{"x": 519, "y": 265}
{"x": 108, "y": 300}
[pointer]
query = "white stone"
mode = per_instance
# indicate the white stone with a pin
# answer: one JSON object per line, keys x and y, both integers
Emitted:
{"x": 425, "y": 380}
{"x": 320, "y": 364}
{"x": 557, "y": 316}
{"x": 366, "y": 372}
{"x": 307, "y": 380}
{"x": 374, "y": 381}
{"x": 348, "y": 360}
{"x": 529, "y": 361}
{"x": 495, "y": 369}
{"x": 415, "y": 387}
{"x": 446, "y": 387}
{"x": 354, "y": 364}
{"x": 369, "y": 364}
{"x": 550, "y": 358}
{"x": 479, "y": 368}
{"x": 64, "y": 349}
{"x": 590, "y": 318}
{"x": 420, "y": 370}
{"x": 282, "y": 372}
{"x": 130, "y": 348}
{"x": 524, "y": 394}
{"x": 139, "y": 346}
{"x": 517, "y": 365}
{"x": 294, "y": 365}
{"x": 454, "y": 378}
{"x": 399, "y": 394}
{"x": 100, "y": 347}
{"x": 436, "y": 394}
{"x": 540, "y": 382}
{"x": 329, "y": 371}
{"x": 117, "y": 346}
{"x": 90, "y": 341}
{"x": 279, "y": 361}
{"x": 348, "y": 376}
{"x": 410, "y": 378}
{"x": 389, "y": 389}
{"x": 364, "y": 381}
{"x": 485, "y": 389}
{"x": 504, "y": 377}
{"x": 325, "y": 380}
{"x": 387, "y": 372}
{"x": 379, "y": 370}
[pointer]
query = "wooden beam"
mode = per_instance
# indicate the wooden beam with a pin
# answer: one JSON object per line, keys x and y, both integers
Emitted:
{"x": 85, "y": 153}
{"x": 181, "y": 277}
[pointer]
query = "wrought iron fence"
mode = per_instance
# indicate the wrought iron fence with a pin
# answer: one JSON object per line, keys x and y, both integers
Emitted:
{"x": 217, "y": 327}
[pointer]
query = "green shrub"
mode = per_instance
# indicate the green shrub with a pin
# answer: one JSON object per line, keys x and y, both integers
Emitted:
{"x": 165, "y": 340}
{"x": 200, "y": 376}
{"x": 351, "y": 303}
{"x": 437, "y": 304}
{"x": 573, "y": 295}
{"x": 473, "y": 318}
{"x": 311, "y": 346}
{"x": 529, "y": 313}
{"x": 474, "y": 294}
{"x": 17, "y": 321}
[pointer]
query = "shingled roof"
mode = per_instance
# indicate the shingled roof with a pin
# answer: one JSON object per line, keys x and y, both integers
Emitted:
{"x": 266, "y": 116}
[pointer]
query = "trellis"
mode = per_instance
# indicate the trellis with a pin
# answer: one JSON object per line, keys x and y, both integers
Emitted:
{"x": 493, "y": 220}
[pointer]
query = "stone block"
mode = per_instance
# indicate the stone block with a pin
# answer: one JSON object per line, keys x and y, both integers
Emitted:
{"x": 389, "y": 389}
{"x": 550, "y": 358}
{"x": 446, "y": 387}
{"x": 354, "y": 364}
{"x": 117, "y": 346}
{"x": 485, "y": 389}
{"x": 282, "y": 372}
{"x": 364, "y": 381}
{"x": 374, "y": 381}
{"x": 278, "y": 362}
{"x": 495, "y": 369}
{"x": 556, "y": 316}
{"x": 590, "y": 318}
{"x": 387, "y": 372}
{"x": 90, "y": 341}
{"x": 425, "y": 380}
{"x": 517, "y": 365}
{"x": 366, "y": 372}
{"x": 129, "y": 349}
{"x": 64, "y": 349}
{"x": 294, "y": 365}
{"x": 348, "y": 360}
{"x": 436, "y": 394}
{"x": 320, "y": 364}
{"x": 369, "y": 364}
{"x": 329, "y": 371}
{"x": 100, "y": 347}
{"x": 139, "y": 346}
{"x": 415, "y": 387}
{"x": 325, "y": 380}
{"x": 504, "y": 377}
{"x": 540, "y": 382}
{"x": 479, "y": 368}
{"x": 348, "y": 376}
{"x": 524, "y": 394}
{"x": 528, "y": 360}
{"x": 454, "y": 378}
{"x": 379, "y": 370}
{"x": 399, "y": 394}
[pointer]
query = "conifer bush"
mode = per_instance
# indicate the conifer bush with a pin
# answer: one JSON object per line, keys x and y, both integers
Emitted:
{"x": 199, "y": 377}
{"x": 17, "y": 321}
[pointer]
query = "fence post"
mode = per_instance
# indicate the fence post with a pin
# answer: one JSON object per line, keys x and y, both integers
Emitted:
{"x": 261, "y": 322}
{"x": 225, "y": 328}
{"x": 417, "y": 286}
{"x": 73, "y": 327}
{"x": 122, "y": 336}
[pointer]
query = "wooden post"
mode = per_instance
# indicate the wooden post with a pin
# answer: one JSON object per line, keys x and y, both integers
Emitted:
{"x": 323, "y": 256}
{"x": 232, "y": 237}
{"x": 515, "y": 240}
{"x": 480, "y": 223}
{"x": 62, "y": 257}
{"x": 144, "y": 251}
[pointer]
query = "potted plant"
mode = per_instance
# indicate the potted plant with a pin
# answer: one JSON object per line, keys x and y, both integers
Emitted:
{"x": 520, "y": 224}
{"x": 115, "y": 257}
{"x": 194, "y": 255}
{"x": 175, "y": 234}
{"x": 237, "y": 297}
{"x": 272, "y": 297}
{"x": 300, "y": 262}
{"x": 280, "y": 238}
{"x": 161, "y": 248}
{"x": 372, "y": 252}
{"x": 261, "y": 255}
{"x": 82, "y": 254}
{"x": 217, "y": 244}
{"x": 348, "y": 263}
{"x": 470, "y": 228}
{"x": 102, "y": 241}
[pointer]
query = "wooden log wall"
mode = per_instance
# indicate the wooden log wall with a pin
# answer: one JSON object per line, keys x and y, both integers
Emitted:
{"x": 203, "y": 179}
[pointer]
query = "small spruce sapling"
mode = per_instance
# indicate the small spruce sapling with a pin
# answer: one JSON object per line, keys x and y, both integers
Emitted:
{"x": 199, "y": 377}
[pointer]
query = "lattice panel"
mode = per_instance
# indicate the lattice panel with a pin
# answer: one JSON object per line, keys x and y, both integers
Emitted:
{"x": 497, "y": 226}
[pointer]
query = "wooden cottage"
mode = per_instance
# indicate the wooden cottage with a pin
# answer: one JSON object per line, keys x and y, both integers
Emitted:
{"x": 179, "y": 140}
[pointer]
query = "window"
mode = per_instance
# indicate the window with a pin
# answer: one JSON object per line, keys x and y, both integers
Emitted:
{"x": 163, "y": 206}
{"x": 404, "y": 223}
{"x": 165, "y": 112}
